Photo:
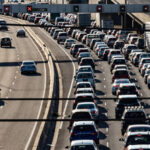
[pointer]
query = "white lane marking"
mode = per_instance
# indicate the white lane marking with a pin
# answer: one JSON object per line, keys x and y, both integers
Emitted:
{"x": 104, "y": 86}
{"x": 107, "y": 144}
{"x": 40, "y": 109}
{"x": 16, "y": 71}
{"x": 104, "y": 79}
{"x": 10, "y": 90}
{"x": 15, "y": 77}
{"x": 71, "y": 86}
{"x": 13, "y": 83}
{"x": 107, "y": 130}
{"x": 18, "y": 58}
{"x": 104, "y": 72}
{"x": 105, "y": 103}
{"x": 141, "y": 94}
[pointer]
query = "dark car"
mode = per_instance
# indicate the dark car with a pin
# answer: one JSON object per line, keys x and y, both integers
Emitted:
{"x": 87, "y": 61}
{"x": 93, "y": 41}
{"x": 74, "y": 49}
{"x": 3, "y": 25}
{"x": 21, "y": 33}
{"x": 84, "y": 130}
{"x": 6, "y": 42}
{"x": 125, "y": 101}
{"x": 117, "y": 61}
{"x": 127, "y": 88}
{"x": 120, "y": 74}
{"x": 84, "y": 114}
{"x": 140, "y": 43}
{"x": 133, "y": 116}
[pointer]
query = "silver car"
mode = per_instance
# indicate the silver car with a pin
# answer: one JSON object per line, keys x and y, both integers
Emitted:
{"x": 28, "y": 66}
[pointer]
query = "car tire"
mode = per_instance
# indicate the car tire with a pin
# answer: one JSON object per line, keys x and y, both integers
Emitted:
{"x": 148, "y": 86}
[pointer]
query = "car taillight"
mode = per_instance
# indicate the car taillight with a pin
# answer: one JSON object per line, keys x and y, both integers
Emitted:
{"x": 94, "y": 133}
{"x": 74, "y": 102}
{"x": 94, "y": 112}
{"x": 115, "y": 85}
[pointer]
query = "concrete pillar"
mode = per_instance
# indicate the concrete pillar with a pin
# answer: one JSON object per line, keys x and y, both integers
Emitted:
{"x": 101, "y": 16}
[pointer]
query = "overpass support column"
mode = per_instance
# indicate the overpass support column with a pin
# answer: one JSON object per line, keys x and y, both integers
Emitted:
{"x": 126, "y": 21}
{"x": 101, "y": 16}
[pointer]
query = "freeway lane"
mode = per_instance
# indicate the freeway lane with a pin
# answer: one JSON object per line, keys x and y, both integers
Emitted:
{"x": 110, "y": 131}
{"x": 15, "y": 135}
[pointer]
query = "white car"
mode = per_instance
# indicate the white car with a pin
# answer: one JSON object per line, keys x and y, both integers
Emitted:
{"x": 85, "y": 69}
{"x": 69, "y": 42}
{"x": 83, "y": 144}
{"x": 90, "y": 106}
{"x": 138, "y": 147}
{"x": 137, "y": 128}
{"x": 85, "y": 77}
{"x": 28, "y": 66}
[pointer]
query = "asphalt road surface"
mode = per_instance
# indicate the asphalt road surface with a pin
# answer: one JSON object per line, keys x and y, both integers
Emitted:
{"x": 16, "y": 135}
{"x": 109, "y": 131}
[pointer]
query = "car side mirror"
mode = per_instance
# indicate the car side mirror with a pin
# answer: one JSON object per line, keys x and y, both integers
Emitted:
{"x": 121, "y": 139}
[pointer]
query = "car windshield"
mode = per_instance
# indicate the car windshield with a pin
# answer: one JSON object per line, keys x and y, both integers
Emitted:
{"x": 85, "y": 70}
{"x": 121, "y": 73}
{"x": 122, "y": 81}
{"x": 139, "y": 129}
{"x": 87, "y": 61}
{"x": 79, "y": 46}
{"x": 84, "y": 128}
{"x": 115, "y": 52}
{"x": 135, "y": 115}
{"x": 28, "y": 63}
{"x": 132, "y": 47}
{"x": 146, "y": 61}
{"x": 83, "y": 147}
{"x": 84, "y": 75}
{"x": 71, "y": 41}
{"x": 83, "y": 85}
{"x": 85, "y": 91}
{"x": 85, "y": 106}
{"x": 128, "y": 90}
{"x": 128, "y": 101}
{"x": 81, "y": 115}
{"x": 138, "y": 139}
{"x": 119, "y": 61}
{"x": 85, "y": 55}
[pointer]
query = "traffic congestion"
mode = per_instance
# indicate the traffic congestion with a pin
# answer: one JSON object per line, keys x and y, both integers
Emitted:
{"x": 121, "y": 50}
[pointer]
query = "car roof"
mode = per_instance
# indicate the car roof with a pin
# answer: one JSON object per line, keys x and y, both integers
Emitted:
{"x": 121, "y": 65}
{"x": 139, "y": 125}
{"x": 127, "y": 96}
{"x": 127, "y": 84}
{"x": 85, "y": 89}
{"x": 87, "y": 58}
{"x": 141, "y": 146}
{"x": 88, "y": 66}
{"x": 84, "y": 103}
{"x": 78, "y": 123}
{"x": 28, "y": 61}
{"x": 121, "y": 69}
{"x": 84, "y": 94}
{"x": 82, "y": 142}
{"x": 80, "y": 110}
{"x": 83, "y": 83}
{"x": 140, "y": 133}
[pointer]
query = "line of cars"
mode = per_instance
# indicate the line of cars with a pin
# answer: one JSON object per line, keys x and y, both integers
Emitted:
{"x": 116, "y": 47}
{"x": 27, "y": 66}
